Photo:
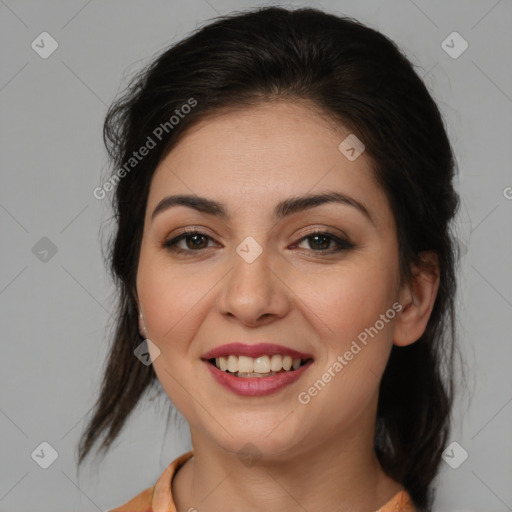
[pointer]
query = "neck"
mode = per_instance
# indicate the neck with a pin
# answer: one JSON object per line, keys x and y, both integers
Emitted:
{"x": 340, "y": 473}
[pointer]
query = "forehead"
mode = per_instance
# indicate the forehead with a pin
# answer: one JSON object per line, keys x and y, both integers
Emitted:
{"x": 280, "y": 132}
{"x": 263, "y": 154}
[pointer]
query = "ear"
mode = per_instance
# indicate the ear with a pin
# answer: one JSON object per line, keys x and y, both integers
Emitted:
{"x": 417, "y": 299}
{"x": 142, "y": 327}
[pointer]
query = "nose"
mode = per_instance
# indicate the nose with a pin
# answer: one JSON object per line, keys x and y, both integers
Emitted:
{"x": 254, "y": 293}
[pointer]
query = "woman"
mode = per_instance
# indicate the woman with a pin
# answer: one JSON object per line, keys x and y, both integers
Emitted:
{"x": 283, "y": 205}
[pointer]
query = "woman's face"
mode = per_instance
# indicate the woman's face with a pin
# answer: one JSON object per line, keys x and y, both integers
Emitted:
{"x": 259, "y": 275}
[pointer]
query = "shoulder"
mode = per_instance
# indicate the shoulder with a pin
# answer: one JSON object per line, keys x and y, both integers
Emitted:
{"x": 159, "y": 496}
{"x": 140, "y": 503}
{"x": 401, "y": 502}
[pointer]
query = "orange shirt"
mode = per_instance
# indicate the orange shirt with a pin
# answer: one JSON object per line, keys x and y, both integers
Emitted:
{"x": 159, "y": 497}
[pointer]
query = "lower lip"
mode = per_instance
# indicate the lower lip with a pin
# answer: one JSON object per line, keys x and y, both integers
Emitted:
{"x": 256, "y": 386}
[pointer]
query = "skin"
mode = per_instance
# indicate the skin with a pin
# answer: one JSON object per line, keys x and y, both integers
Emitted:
{"x": 249, "y": 161}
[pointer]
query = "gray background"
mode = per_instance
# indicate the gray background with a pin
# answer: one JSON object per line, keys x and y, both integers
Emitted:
{"x": 54, "y": 313}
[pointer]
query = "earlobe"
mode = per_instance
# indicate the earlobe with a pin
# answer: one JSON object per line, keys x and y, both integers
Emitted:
{"x": 417, "y": 299}
{"x": 142, "y": 326}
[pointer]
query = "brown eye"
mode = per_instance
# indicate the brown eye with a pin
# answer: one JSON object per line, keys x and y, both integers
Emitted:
{"x": 189, "y": 241}
{"x": 321, "y": 242}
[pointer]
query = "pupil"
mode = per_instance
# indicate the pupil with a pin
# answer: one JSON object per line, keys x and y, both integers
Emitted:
{"x": 325, "y": 238}
{"x": 195, "y": 241}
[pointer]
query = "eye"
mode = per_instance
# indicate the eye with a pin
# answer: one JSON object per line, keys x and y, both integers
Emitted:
{"x": 320, "y": 242}
{"x": 193, "y": 241}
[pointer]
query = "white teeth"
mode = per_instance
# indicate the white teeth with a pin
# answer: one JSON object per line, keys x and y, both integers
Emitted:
{"x": 259, "y": 366}
{"x": 233, "y": 363}
{"x": 246, "y": 364}
{"x": 276, "y": 363}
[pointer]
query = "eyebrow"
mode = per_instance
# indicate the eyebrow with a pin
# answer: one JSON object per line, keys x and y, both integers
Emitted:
{"x": 282, "y": 209}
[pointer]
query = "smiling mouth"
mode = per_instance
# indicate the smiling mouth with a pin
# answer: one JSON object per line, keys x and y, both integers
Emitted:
{"x": 263, "y": 366}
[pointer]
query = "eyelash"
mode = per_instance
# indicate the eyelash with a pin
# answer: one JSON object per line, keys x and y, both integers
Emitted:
{"x": 343, "y": 244}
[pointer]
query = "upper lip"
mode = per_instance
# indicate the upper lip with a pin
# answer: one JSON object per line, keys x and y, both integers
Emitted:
{"x": 254, "y": 351}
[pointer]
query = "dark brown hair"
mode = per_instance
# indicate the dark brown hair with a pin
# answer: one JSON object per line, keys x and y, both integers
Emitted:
{"x": 352, "y": 74}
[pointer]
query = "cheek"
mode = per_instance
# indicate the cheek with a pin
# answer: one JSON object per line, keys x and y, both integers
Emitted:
{"x": 347, "y": 305}
{"x": 348, "y": 300}
{"x": 171, "y": 300}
